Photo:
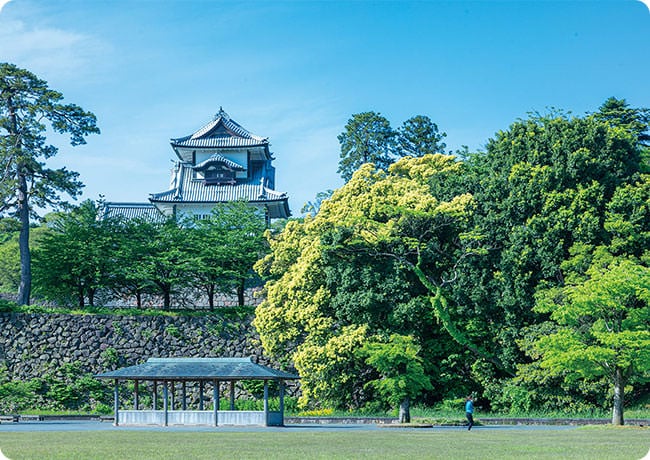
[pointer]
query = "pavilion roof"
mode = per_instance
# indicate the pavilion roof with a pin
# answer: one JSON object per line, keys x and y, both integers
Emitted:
{"x": 221, "y": 132}
{"x": 198, "y": 369}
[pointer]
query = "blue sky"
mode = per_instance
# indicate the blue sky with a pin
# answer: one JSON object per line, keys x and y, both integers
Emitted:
{"x": 295, "y": 71}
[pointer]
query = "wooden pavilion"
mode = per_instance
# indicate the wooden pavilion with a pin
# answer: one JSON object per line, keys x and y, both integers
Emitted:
{"x": 168, "y": 372}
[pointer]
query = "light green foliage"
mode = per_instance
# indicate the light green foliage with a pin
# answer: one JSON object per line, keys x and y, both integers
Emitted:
{"x": 603, "y": 326}
{"x": 332, "y": 372}
{"x": 399, "y": 365}
{"x": 67, "y": 388}
{"x": 628, "y": 219}
{"x": 605, "y": 323}
{"x": 9, "y": 262}
{"x": 323, "y": 295}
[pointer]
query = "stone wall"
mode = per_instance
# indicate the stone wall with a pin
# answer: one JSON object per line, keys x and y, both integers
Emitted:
{"x": 33, "y": 344}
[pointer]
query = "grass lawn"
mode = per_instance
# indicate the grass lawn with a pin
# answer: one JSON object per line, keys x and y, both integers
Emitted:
{"x": 580, "y": 443}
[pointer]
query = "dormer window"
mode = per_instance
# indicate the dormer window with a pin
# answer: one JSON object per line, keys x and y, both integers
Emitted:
{"x": 219, "y": 175}
{"x": 218, "y": 170}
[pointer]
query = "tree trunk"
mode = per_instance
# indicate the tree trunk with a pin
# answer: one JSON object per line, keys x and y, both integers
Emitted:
{"x": 240, "y": 292}
{"x": 81, "y": 300}
{"x": 91, "y": 296}
{"x": 210, "y": 289}
{"x": 167, "y": 299}
{"x": 619, "y": 390}
{"x": 25, "y": 287}
{"x": 405, "y": 411}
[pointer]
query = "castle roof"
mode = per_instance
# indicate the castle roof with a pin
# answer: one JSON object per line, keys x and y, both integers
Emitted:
{"x": 216, "y": 158}
{"x": 189, "y": 189}
{"x": 221, "y": 132}
{"x": 130, "y": 211}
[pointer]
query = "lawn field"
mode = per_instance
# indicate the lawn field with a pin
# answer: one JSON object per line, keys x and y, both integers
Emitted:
{"x": 629, "y": 443}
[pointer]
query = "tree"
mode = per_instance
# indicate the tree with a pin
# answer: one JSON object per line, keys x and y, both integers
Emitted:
{"x": 368, "y": 138}
{"x": 541, "y": 188}
{"x": 75, "y": 257}
{"x": 603, "y": 328}
{"x": 401, "y": 372}
{"x": 128, "y": 279}
{"x": 226, "y": 246}
{"x": 166, "y": 259}
{"x": 25, "y": 181}
{"x": 357, "y": 266}
{"x": 419, "y": 136}
{"x": 619, "y": 113}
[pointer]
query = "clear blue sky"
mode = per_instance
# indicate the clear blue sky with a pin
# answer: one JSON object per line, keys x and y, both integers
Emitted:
{"x": 295, "y": 71}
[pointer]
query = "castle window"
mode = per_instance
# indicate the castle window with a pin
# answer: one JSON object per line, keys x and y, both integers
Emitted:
{"x": 219, "y": 175}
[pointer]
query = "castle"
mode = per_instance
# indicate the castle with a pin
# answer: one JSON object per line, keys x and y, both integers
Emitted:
{"x": 220, "y": 162}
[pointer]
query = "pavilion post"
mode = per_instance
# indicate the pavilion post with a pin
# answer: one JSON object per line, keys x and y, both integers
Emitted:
{"x": 172, "y": 394}
{"x": 215, "y": 401}
{"x": 165, "y": 403}
{"x": 116, "y": 403}
{"x": 155, "y": 395}
{"x": 136, "y": 399}
{"x": 184, "y": 393}
{"x": 232, "y": 395}
{"x": 282, "y": 400}
{"x": 266, "y": 402}
{"x": 201, "y": 389}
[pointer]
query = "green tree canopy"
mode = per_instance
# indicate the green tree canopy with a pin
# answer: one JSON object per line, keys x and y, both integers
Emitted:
{"x": 419, "y": 136}
{"x": 226, "y": 245}
{"x": 75, "y": 258}
{"x": 387, "y": 222}
{"x": 603, "y": 328}
{"x": 368, "y": 138}
{"x": 399, "y": 365}
{"x": 541, "y": 188}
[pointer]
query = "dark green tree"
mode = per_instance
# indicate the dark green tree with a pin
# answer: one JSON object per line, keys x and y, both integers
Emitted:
{"x": 75, "y": 258}
{"x": 226, "y": 245}
{"x": 619, "y": 113}
{"x": 368, "y": 138}
{"x": 166, "y": 259}
{"x": 541, "y": 187}
{"x": 419, "y": 136}
{"x": 26, "y": 183}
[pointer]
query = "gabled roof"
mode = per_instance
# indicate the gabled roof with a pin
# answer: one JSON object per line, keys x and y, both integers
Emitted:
{"x": 216, "y": 158}
{"x": 198, "y": 369}
{"x": 220, "y": 132}
{"x": 132, "y": 211}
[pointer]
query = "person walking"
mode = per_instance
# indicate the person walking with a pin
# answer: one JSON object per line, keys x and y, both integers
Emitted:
{"x": 469, "y": 412}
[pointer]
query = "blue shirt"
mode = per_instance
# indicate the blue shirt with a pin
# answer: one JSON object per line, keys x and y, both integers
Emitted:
{"x": 469, "y": 406}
